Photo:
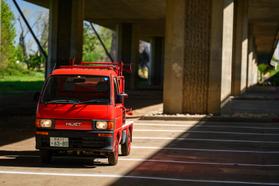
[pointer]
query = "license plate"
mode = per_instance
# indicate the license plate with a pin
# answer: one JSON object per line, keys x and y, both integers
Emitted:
{"x": 59, "y": 142}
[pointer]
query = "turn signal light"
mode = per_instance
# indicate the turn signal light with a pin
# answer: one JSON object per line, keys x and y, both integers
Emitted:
{"x": 105, "y": 135}
{"x": 41, "y": 133}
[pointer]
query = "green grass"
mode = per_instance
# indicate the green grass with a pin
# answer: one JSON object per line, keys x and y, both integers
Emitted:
{"x": 31, "y": 81}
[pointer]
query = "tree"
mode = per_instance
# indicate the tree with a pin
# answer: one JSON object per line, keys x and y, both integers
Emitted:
{"x": 33, "y": 59}
{"x": 92, "y": 49}
{"x": 42, "y": 27}
{"x": 89, "y": 43}
{"x": 8, "y": 33}
{"x": 263, "y": 69}
{"x": 22, "y": 42}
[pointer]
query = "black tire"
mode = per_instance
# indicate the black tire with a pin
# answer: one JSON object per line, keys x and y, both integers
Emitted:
{"x": 45, "y": 156}
{"x": 113, "y": 157}
{"x": 126, "y": 147}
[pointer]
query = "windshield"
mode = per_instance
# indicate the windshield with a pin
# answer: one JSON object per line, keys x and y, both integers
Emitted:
{"x": 77, "y": 89}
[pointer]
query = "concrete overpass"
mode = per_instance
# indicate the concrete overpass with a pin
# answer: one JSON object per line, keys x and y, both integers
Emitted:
{"x": 209, "y": 48}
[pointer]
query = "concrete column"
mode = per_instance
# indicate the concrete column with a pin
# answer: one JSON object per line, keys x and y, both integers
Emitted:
{"x": 174, "y": 56}
{"x": 77, "y": 30}
{"x": 134, "y": 55}
{"x": 239, "y": 66}
{"x": 255, "y": 72}
{"x": 66, "y": 32}
{"x": 198, "y": 59}
{"x": 157, "y": 47}
{"x": 124, "y": 48}
{"x": 252, "y": 63}
{"x": 124, "y": 42}
{"x": 250, "y": 59}
{"x": 223, "y": 74}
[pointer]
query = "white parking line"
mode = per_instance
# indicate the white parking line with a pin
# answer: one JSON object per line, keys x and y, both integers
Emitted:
{"x": 207, "y": 132}
{"x": 206, "y": 140}
{"x": 169, "y": 161}
{"x": 135, "y": 177}
{"x": 199, "y": 163}
{"x": 206, "y": 150}
{"x": 205, "y": 126}
{"x": 158, "y": 130}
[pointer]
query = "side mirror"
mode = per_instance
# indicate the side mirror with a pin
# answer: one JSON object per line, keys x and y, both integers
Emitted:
{"x": 120, "y": 97}
{"x": 124, "y": 95}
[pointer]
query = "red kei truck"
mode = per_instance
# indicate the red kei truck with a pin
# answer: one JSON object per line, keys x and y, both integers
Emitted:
{"x": 81, "y": 112}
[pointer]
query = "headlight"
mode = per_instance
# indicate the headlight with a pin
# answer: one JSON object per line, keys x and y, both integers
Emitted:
{"x": 44, "y": 123}
{"x": 104, "y": 125}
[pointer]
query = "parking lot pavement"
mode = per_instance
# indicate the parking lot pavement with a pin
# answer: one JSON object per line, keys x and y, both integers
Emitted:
{"x": 163, "y": 153}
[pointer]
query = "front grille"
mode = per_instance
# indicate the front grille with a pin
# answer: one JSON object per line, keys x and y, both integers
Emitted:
{"x": 76, "y": 140}
{"x": 87, "y": 143}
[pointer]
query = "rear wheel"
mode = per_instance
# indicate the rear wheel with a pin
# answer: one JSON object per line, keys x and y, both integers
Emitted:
{"x": 113, "y": 157}
{"x": 126, "y": 147}
{"x": 45, "y": 156}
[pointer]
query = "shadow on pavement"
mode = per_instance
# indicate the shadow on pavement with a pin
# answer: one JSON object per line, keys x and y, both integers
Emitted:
{"x": 32, "y": 159}
{"x": 206, "y": 155}
{"x": 16, "y": 128}
{"x": 218, "y": 153}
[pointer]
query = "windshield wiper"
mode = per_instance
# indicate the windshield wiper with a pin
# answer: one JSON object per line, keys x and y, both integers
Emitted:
{"x": 61, "y": 101}
{"x": 92, "y": 101}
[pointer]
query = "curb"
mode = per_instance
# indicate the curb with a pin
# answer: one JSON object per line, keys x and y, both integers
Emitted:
{"x": 212, "y": 118}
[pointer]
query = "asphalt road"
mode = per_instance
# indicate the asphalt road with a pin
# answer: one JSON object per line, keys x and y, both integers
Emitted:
{"x": 163, "y": 153}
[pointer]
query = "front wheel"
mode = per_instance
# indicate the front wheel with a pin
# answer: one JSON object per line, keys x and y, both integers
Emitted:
{"x": 113, "y": 157}
{"x": 45, "y": 156}
{"x": 126, "y": 147}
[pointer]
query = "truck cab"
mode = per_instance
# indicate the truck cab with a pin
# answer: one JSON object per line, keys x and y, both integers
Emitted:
{"x": 81, "y": 112}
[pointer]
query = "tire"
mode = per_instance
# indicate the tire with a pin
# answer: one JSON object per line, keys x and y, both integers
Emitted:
{"x": 113, "y": 157}
{"x": 126, "y": 147}
{"x": 45, "y": 156}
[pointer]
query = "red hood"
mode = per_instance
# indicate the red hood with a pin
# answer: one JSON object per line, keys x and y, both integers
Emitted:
{"x": 69, "y": 111}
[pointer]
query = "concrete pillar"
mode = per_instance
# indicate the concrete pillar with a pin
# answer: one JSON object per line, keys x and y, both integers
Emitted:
{"x": 134, "y": 55}
{"x": 255, "y": 72}
{"x": 124, "y": 48}
{"x": 198, "y": 58}
{"x": 252, "y": 70}
{"x": 77, "y": 30}
{"x": 66, "y": 32}
{"x": 227, "y": 55}
{"x": 239, "y": 66}
{"x": 250, "y": 60}
{"x": 124, "y": 42}
{"x": 174, "y": 56}
{"x": 157, "y": 47}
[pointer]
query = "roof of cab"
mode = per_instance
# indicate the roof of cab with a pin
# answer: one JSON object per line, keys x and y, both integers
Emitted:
{"x": 83, "y": 71}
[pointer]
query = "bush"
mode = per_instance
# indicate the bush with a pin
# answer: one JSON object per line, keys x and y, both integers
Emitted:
{"x": 263, "y": 68}
{"x": 14, "y": 69}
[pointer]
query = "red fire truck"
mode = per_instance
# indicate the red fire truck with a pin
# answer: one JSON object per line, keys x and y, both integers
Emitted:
{"x": 81, "y": 112}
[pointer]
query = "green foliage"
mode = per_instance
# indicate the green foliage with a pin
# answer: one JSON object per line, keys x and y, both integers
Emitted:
{"x": 13, "y": 69}
{"x": 274, "y": 59}
{"x": 274, "y": 78}
{"x": 263, "y": 68}
{"x": 91, "y": 56}
{"x": 34, "y": 61}
{"x": 22, "y": 81}
{"x": 92, "y": 49}
{"x": 7, "y": 49}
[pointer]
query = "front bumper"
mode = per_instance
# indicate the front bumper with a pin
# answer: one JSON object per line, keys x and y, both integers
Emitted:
{"x": 78, "y": 140}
